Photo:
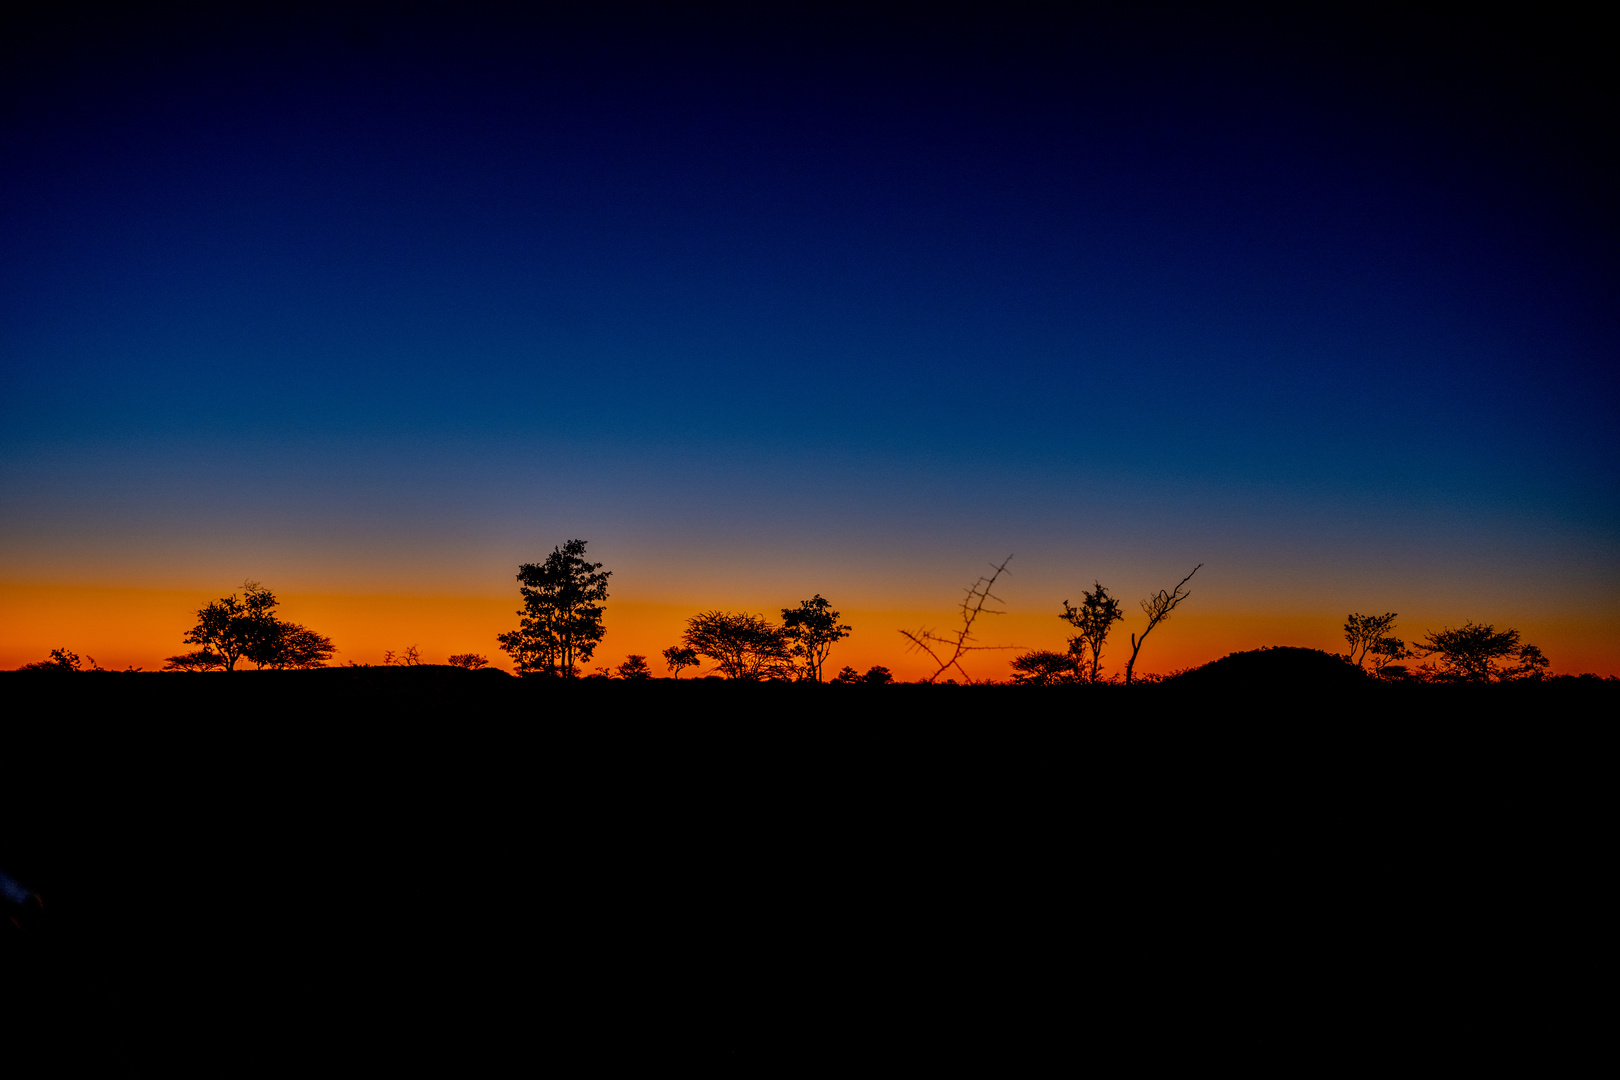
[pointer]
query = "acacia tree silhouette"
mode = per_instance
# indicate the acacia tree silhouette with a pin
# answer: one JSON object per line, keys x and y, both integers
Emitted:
{"x": 978, "y": 594}
{"x": 1474, "y": 653}
{"x": 1046, "y": 668}
{"x": 746, "y": 647}
{"x": 1157, "y": 608}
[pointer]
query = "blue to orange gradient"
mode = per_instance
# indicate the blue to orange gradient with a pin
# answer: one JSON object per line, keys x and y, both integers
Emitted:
{"x": 372, "y": 309}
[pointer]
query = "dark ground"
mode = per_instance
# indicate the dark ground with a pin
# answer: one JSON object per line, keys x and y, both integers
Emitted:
{"x": 757, "y": 873}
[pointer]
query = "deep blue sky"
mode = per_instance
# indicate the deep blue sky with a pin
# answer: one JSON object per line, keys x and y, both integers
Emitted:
{"x": 402, "y": 291}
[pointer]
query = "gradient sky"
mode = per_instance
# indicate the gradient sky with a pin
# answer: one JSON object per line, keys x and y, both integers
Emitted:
{"x": 371, "y": 307}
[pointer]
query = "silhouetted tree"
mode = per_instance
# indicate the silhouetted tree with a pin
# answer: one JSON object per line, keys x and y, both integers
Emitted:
{"x": 1157, "y": 608}
{"x": 470, "y": 661}
{"x": 677, "y": 657}
{"x": 743, "y": 646}
{"x": 562, "y": 612}
{"x": 1385, "y": 654}
{"x": 1533, "y": 664}
{"x": 1370, "y": 639}
{"x": 634, "y": 667}
{"x": 847, "y": 674}
{"x": 234, "y": 629}
{"x": 813, "y": 628}
{"x": 1097, "y": 613}
{"x": 230, "y": 628}
{"x": 1042, "y": 668}
{"x": 292, "y": 646}
{"x": 954, "y": 644}
{"x": 1475, "y": 654}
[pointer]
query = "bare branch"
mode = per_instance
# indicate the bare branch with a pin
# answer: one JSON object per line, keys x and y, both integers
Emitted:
{"x": 1157, "y": 608}
{"x": 973, "y": 605}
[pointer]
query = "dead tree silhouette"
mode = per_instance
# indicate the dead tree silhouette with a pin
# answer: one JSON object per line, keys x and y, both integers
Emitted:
{"x": 978, "y": 594}
{"x": 1157, "y": 608}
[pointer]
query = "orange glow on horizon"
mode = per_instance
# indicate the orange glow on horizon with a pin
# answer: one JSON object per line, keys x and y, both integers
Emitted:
{"x": 138, "y": 627}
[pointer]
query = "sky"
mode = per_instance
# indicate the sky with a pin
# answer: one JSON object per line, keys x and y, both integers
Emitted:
{"x": 372, "y": 305}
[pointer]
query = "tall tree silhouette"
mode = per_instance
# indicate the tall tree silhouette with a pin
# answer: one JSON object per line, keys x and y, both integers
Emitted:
{"x": 1157, "y": 608}
{"x": 814, "y": 629}
{"x": 226, "y": 628}
{"x": 561, "y": 620}
{"x": 1095, "y": 616}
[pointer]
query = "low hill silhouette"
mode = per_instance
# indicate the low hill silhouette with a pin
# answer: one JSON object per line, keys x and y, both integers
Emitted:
{"x": 717, "y": 847}
{"x": 1282, "y": 667}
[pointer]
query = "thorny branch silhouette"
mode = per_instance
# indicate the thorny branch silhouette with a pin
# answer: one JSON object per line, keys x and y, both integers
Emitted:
{"x": 978, "y": 594}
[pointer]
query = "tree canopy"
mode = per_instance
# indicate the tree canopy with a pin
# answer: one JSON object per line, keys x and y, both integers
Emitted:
{"x": 561, "y": 619}
{"x": 677, "y": 657}
{"x": 1371, "y": 643}
{"x": 232, "y": 629}
{"x": 1045, "y": 668}
{"x": 813, "y": 628}
{"x": 634, "y": 668}
{"x": 1476, "y": 653}
{"x": 743, "y": 646}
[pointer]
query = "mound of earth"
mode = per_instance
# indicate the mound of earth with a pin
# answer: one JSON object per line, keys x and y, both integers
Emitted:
{"x": 1280, "y": 665}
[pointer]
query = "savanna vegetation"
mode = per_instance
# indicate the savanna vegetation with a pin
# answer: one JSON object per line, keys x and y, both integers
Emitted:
{"x": 627, "y": 819}
{"x": 562, "y": 624}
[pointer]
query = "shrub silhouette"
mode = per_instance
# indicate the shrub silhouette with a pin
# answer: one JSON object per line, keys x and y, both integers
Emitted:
{"x": 60, "y": 660}
{"x": 634, "y": 667}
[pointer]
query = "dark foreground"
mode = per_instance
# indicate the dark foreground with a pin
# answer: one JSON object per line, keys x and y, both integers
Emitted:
{"x": 761, "y": 873}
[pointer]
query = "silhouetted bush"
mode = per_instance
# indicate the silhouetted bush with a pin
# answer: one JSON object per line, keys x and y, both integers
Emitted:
{"x": 59, "y": 660}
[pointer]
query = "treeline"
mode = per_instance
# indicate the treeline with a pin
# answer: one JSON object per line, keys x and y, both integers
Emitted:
{"x": 564, "y": 599}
